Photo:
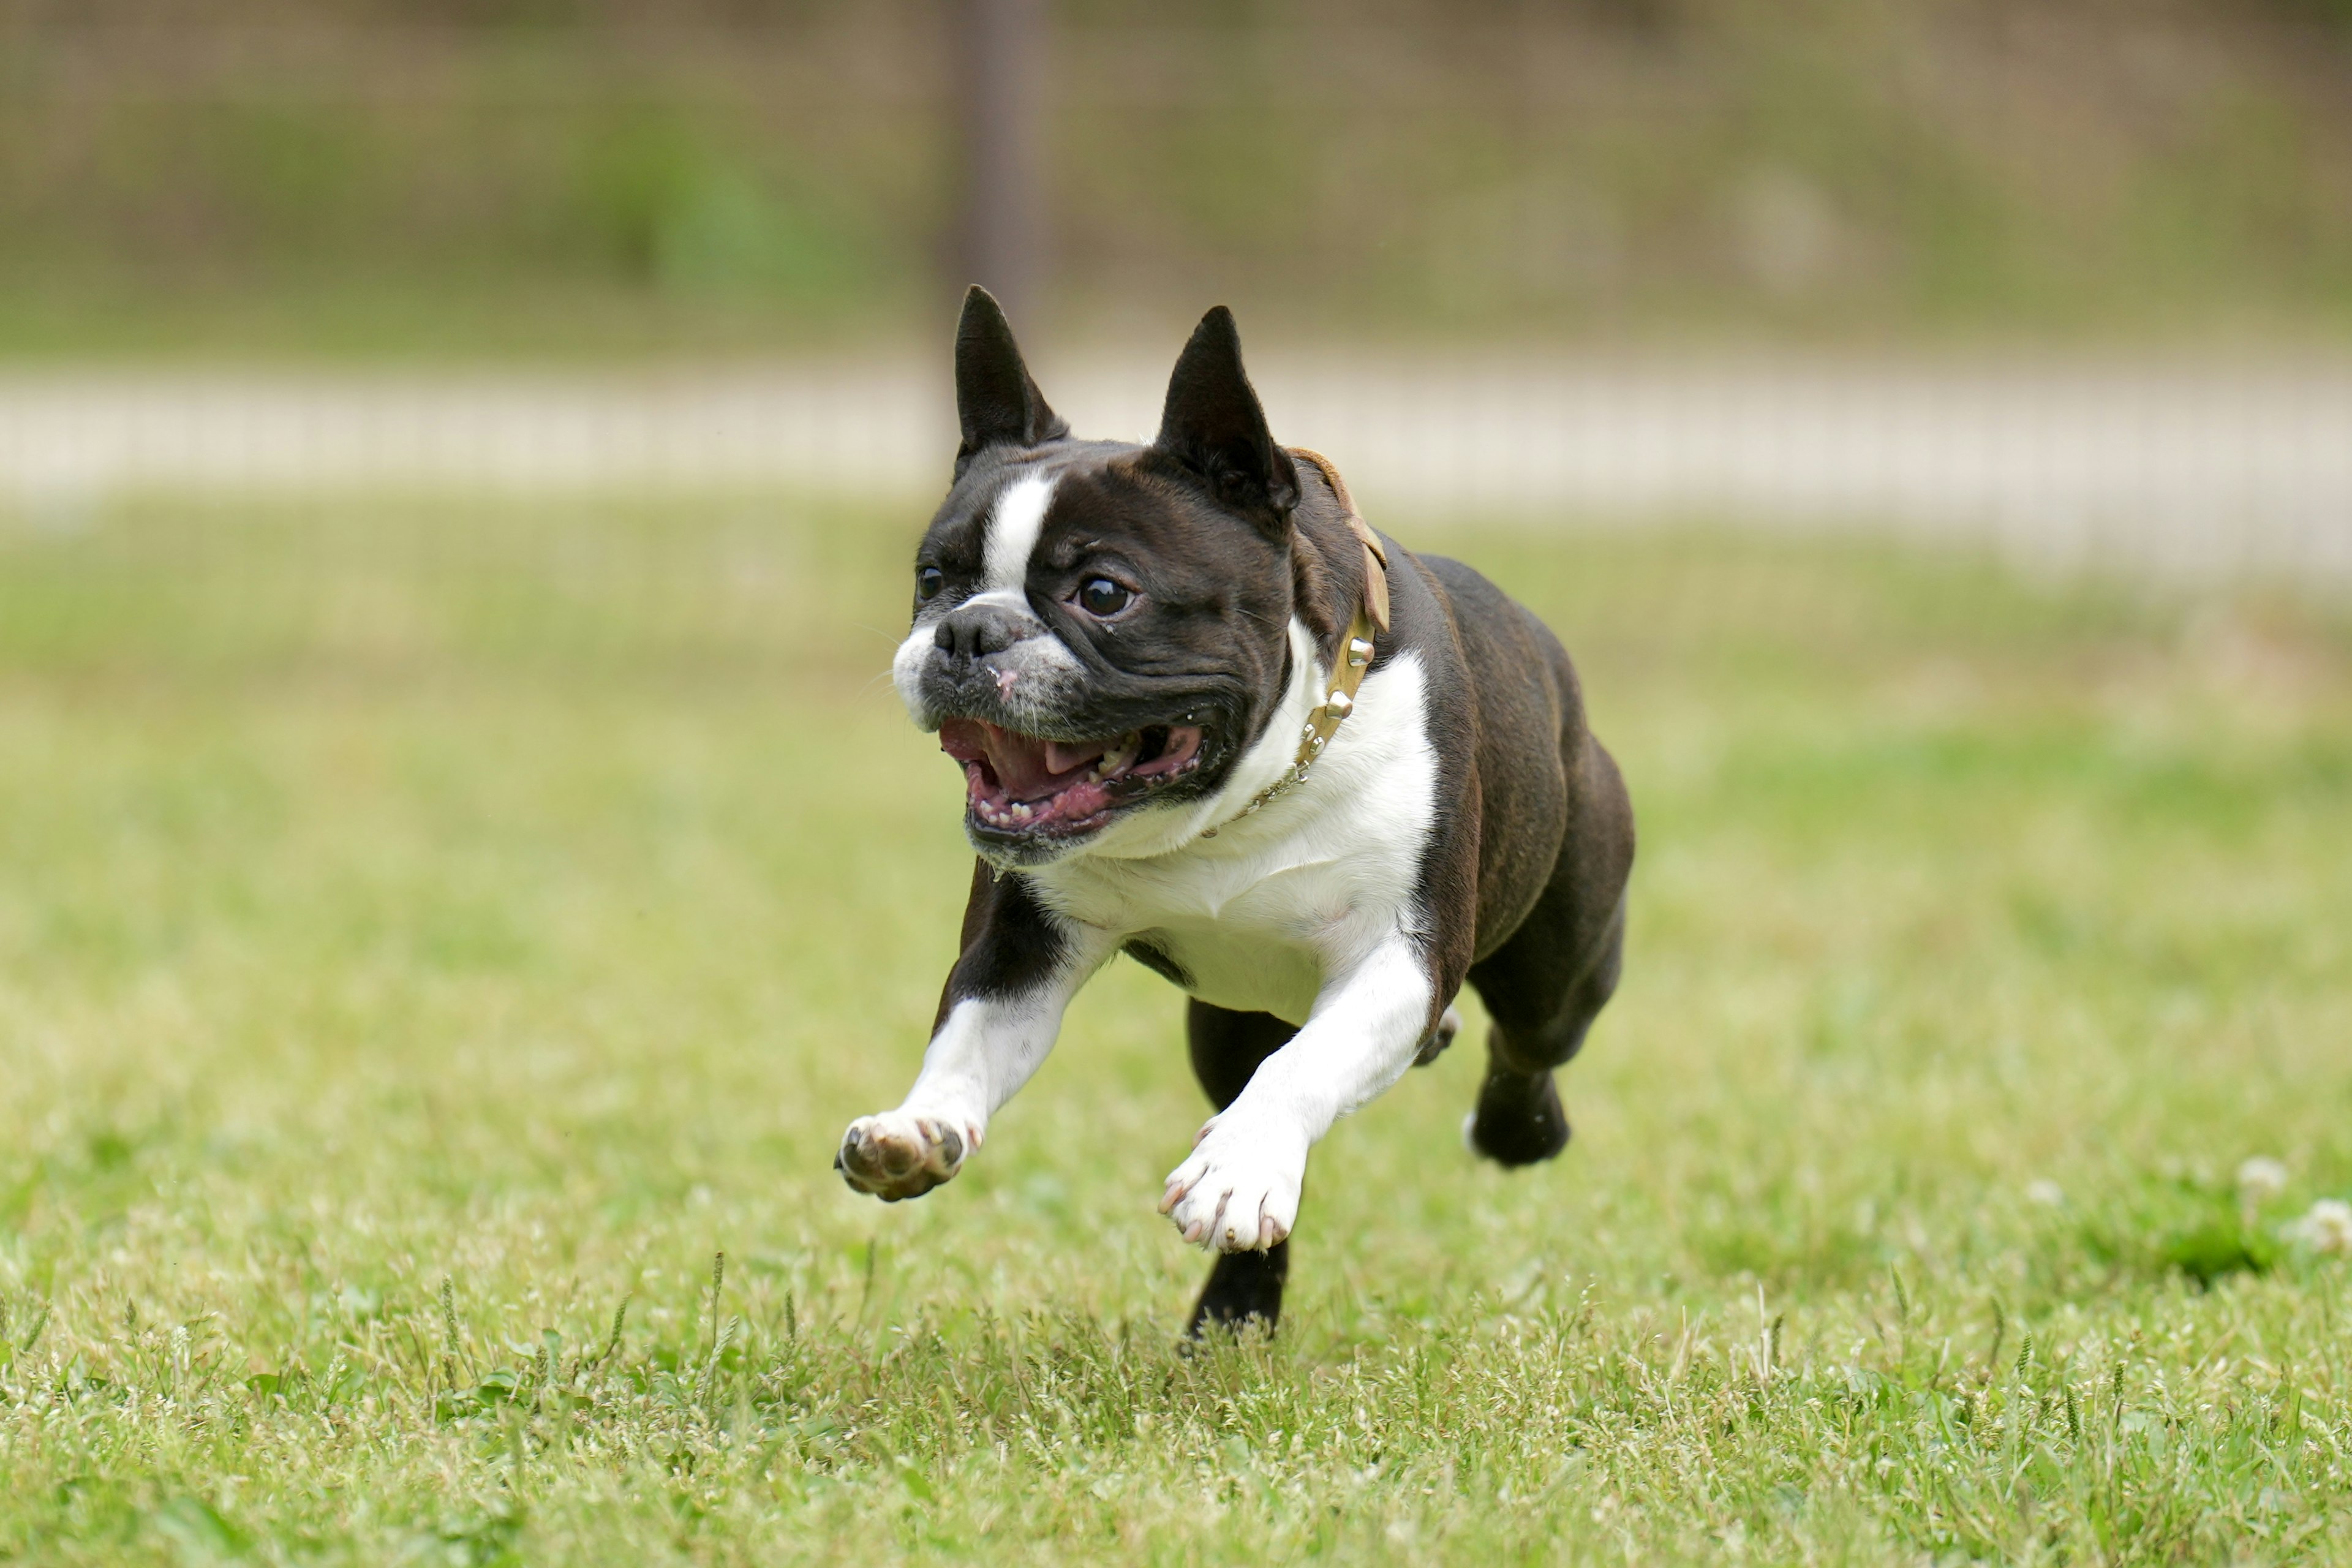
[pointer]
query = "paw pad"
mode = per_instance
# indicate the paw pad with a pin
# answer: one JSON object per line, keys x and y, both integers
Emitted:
{"x": 896, "y": 1155}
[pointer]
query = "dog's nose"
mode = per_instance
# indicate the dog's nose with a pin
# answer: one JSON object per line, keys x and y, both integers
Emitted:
{"x": 975, "y": 631}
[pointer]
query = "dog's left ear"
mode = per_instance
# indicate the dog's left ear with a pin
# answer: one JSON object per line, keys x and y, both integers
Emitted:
{"x": 1214, "y": 425}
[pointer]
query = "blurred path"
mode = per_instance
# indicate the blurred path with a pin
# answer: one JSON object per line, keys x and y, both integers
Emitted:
{"x": 2172, "y": 468}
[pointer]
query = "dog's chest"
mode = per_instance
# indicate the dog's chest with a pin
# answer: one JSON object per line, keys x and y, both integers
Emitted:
{"x": 1269, "y": 947}
{"x": 1260, "y": 917}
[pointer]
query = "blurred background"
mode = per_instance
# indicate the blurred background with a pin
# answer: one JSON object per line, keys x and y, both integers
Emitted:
{"x": 2073, "y": 277}
{"x": 585, "y": 177}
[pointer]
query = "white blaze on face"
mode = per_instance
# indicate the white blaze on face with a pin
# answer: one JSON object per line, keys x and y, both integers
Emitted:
{"x": 1013, "y": 525}
{"x": 1009, "y": 539}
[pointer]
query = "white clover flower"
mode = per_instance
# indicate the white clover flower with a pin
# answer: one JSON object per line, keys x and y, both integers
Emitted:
{"x": 2327, "y": 1228}
{"x": 2261, "y": 1179}
{"x": 2047, "y": 1192}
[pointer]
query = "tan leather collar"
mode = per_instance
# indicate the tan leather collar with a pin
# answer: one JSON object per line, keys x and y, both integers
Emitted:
{"x": 1371, "y": 619}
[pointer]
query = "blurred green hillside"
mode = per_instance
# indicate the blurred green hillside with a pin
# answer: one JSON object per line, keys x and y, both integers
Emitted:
{"x": 464, "y": 176}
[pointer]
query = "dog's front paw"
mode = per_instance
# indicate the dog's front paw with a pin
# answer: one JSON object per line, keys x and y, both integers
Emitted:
{"x": 902, "y": 1153}
{"x": 1238, "y": 1192}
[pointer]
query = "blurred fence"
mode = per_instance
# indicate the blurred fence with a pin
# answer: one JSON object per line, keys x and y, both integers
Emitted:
{"x": 2176, "y": 469}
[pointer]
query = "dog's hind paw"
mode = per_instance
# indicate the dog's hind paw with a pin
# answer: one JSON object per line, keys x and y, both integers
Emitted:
{"x": 1519, "y": 1119}
{"x": 902, "y": 1154}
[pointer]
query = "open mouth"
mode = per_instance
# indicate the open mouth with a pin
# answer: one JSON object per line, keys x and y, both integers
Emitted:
{"x": 1019, "y": 783}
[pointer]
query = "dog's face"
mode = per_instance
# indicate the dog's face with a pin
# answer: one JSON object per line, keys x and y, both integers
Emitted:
{"x": 1100, "y": 630}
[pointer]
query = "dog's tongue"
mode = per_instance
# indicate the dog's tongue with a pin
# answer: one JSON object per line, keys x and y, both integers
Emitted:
{"x": 1062, "y": 759}
{"x": 1027, "y": 767}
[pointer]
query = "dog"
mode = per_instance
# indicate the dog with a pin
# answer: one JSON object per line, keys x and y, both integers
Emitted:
{"x": 1208, "y": 718}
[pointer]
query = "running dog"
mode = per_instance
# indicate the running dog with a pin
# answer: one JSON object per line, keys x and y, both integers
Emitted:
{"x": 1209, "y": 717}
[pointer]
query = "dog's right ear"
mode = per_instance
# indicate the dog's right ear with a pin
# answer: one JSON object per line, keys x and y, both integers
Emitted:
{"x": 996, "y": 403}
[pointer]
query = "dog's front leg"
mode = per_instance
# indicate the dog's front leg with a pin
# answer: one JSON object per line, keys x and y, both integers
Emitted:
{"x": 1238, "y": 1190}
{"x": 998, "y": 1016}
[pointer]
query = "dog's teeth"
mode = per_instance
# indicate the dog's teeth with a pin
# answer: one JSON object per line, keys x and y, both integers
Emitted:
{"x": 1121, "y": 755}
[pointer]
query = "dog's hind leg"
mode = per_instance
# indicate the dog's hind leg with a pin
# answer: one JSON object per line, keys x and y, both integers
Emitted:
{"x": 1545, "y": 985}
{"x": 1227, "y": 1048}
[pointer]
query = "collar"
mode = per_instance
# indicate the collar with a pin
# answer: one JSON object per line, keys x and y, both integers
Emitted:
{"x": 1371, "y": 619}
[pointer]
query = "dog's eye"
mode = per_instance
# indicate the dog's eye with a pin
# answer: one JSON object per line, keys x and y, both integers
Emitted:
{"x": 1101, "y": 596}
{"x": 929, "y": 581}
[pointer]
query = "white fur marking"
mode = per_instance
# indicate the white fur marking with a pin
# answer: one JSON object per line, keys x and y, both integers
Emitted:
{"x": 1013, "y": 529}
{"x": 906, "y": 667}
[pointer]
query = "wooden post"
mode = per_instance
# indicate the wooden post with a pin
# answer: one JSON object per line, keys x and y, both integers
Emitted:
{"x": 1000, "y": 68}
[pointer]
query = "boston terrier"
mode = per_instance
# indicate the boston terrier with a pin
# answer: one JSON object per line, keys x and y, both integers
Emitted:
{"x": 1208, "y": 718}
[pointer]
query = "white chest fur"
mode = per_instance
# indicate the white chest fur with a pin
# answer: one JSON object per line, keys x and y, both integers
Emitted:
{"x": 1262, "y": 914}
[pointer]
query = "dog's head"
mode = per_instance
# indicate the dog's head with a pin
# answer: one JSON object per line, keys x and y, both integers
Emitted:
{"x": 1100, "y": 629}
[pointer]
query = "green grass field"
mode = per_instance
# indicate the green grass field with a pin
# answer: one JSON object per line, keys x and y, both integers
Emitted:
{"x": 430, "y": 932}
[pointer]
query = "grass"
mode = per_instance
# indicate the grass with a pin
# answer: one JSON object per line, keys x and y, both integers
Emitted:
{"x": 432, "y": 933}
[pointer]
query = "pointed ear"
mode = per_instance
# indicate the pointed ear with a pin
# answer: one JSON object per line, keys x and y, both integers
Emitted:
{"x": 1214, "y": 425}
{"x": 996, "y": 403}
